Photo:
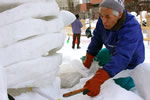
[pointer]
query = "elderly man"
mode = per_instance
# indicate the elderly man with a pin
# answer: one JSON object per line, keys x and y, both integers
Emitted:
{"x": 121, "y": 34}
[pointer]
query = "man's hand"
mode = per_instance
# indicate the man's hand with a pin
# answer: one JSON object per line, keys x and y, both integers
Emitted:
{"x": 93, "y": 85}
{"x": 88, "y": 60}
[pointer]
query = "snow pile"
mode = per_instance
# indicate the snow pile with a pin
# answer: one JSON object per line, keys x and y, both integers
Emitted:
{"x": 30, "y": 36}
{"x": 47, "y": 93}
{"x": 70, "y": 73}
{"x": 109, "y": 90}
{"x": 141, "y": 78}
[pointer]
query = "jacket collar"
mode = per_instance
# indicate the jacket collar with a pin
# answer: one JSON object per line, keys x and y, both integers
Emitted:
{"x": 120, "y": 22}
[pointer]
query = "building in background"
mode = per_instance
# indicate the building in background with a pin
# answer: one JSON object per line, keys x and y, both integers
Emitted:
{"x": 137, "y": 5}
{"x": 70, "y": 5}
{"x": 89, "y": 8}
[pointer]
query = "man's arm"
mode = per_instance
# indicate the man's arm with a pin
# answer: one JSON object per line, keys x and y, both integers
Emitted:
{"x": 128, "y": 42}
{"x": 96, "y": 41}
{"x": 94, "y": 46}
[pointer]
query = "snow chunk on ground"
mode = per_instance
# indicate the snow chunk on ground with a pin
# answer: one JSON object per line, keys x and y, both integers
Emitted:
{"x": 142, "y": 81}
{"x": 28, "y": 96}
{"x": 112, "y": 91}
{"x": 3, "y": 84}
{"x": 49, "y": 92}
{"x": 71, "y": 73}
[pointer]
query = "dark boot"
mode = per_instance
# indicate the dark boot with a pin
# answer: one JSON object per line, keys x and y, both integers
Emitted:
{"x": 78, "y": 47}
{"x": 10, "y": 97}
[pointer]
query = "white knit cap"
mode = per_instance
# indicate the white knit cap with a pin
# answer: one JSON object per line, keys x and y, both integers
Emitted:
{"x": 117, "y": 5}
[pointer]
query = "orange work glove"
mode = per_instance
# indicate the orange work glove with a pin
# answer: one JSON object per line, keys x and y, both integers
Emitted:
{"x": 93, "y": 85}
{"x": 88, "y": 60}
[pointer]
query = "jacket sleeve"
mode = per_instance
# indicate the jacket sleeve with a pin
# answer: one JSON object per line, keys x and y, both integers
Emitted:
{"x": 96, "y": 41}
{"x": 80, "y": 24}
{"x": 125, "y": 48}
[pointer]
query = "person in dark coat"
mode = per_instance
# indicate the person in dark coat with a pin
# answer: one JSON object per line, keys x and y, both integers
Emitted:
{"x": 88, "y": 32}
{"x": 121, "y": 34}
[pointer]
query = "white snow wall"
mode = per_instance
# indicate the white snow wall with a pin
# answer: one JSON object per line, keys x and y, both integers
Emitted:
{"x": 29, "y": 30}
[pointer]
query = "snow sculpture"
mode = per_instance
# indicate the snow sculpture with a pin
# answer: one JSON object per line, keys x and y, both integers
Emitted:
{"x": 30, "y": 36}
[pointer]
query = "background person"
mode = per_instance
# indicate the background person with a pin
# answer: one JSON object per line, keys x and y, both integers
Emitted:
{"x": 76, "y": 28}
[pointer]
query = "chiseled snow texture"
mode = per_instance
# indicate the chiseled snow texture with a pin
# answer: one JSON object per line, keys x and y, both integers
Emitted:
{"x": 109, "y": 91}
{"x": 70, "y": 73}
{"x": 30, "y": 48}
{"x": 30, "y": 27}
{"x": 142, "y": 81}
{"x": 3, "y": 84}
{"x": 31, "y": 96}
{"x": 39, "y": 72}
{"x": 52, "y": 92}
{"x": 33, "y": 9}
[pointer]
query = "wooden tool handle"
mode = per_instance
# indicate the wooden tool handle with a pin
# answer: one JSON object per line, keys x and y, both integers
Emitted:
{"x": 74, "y": 92}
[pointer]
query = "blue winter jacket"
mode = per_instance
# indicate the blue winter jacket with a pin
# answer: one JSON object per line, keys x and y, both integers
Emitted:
{"x": 125, "y": 44}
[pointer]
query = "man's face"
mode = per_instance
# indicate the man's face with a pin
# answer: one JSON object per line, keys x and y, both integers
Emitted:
{"x": 108, "y": 19}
